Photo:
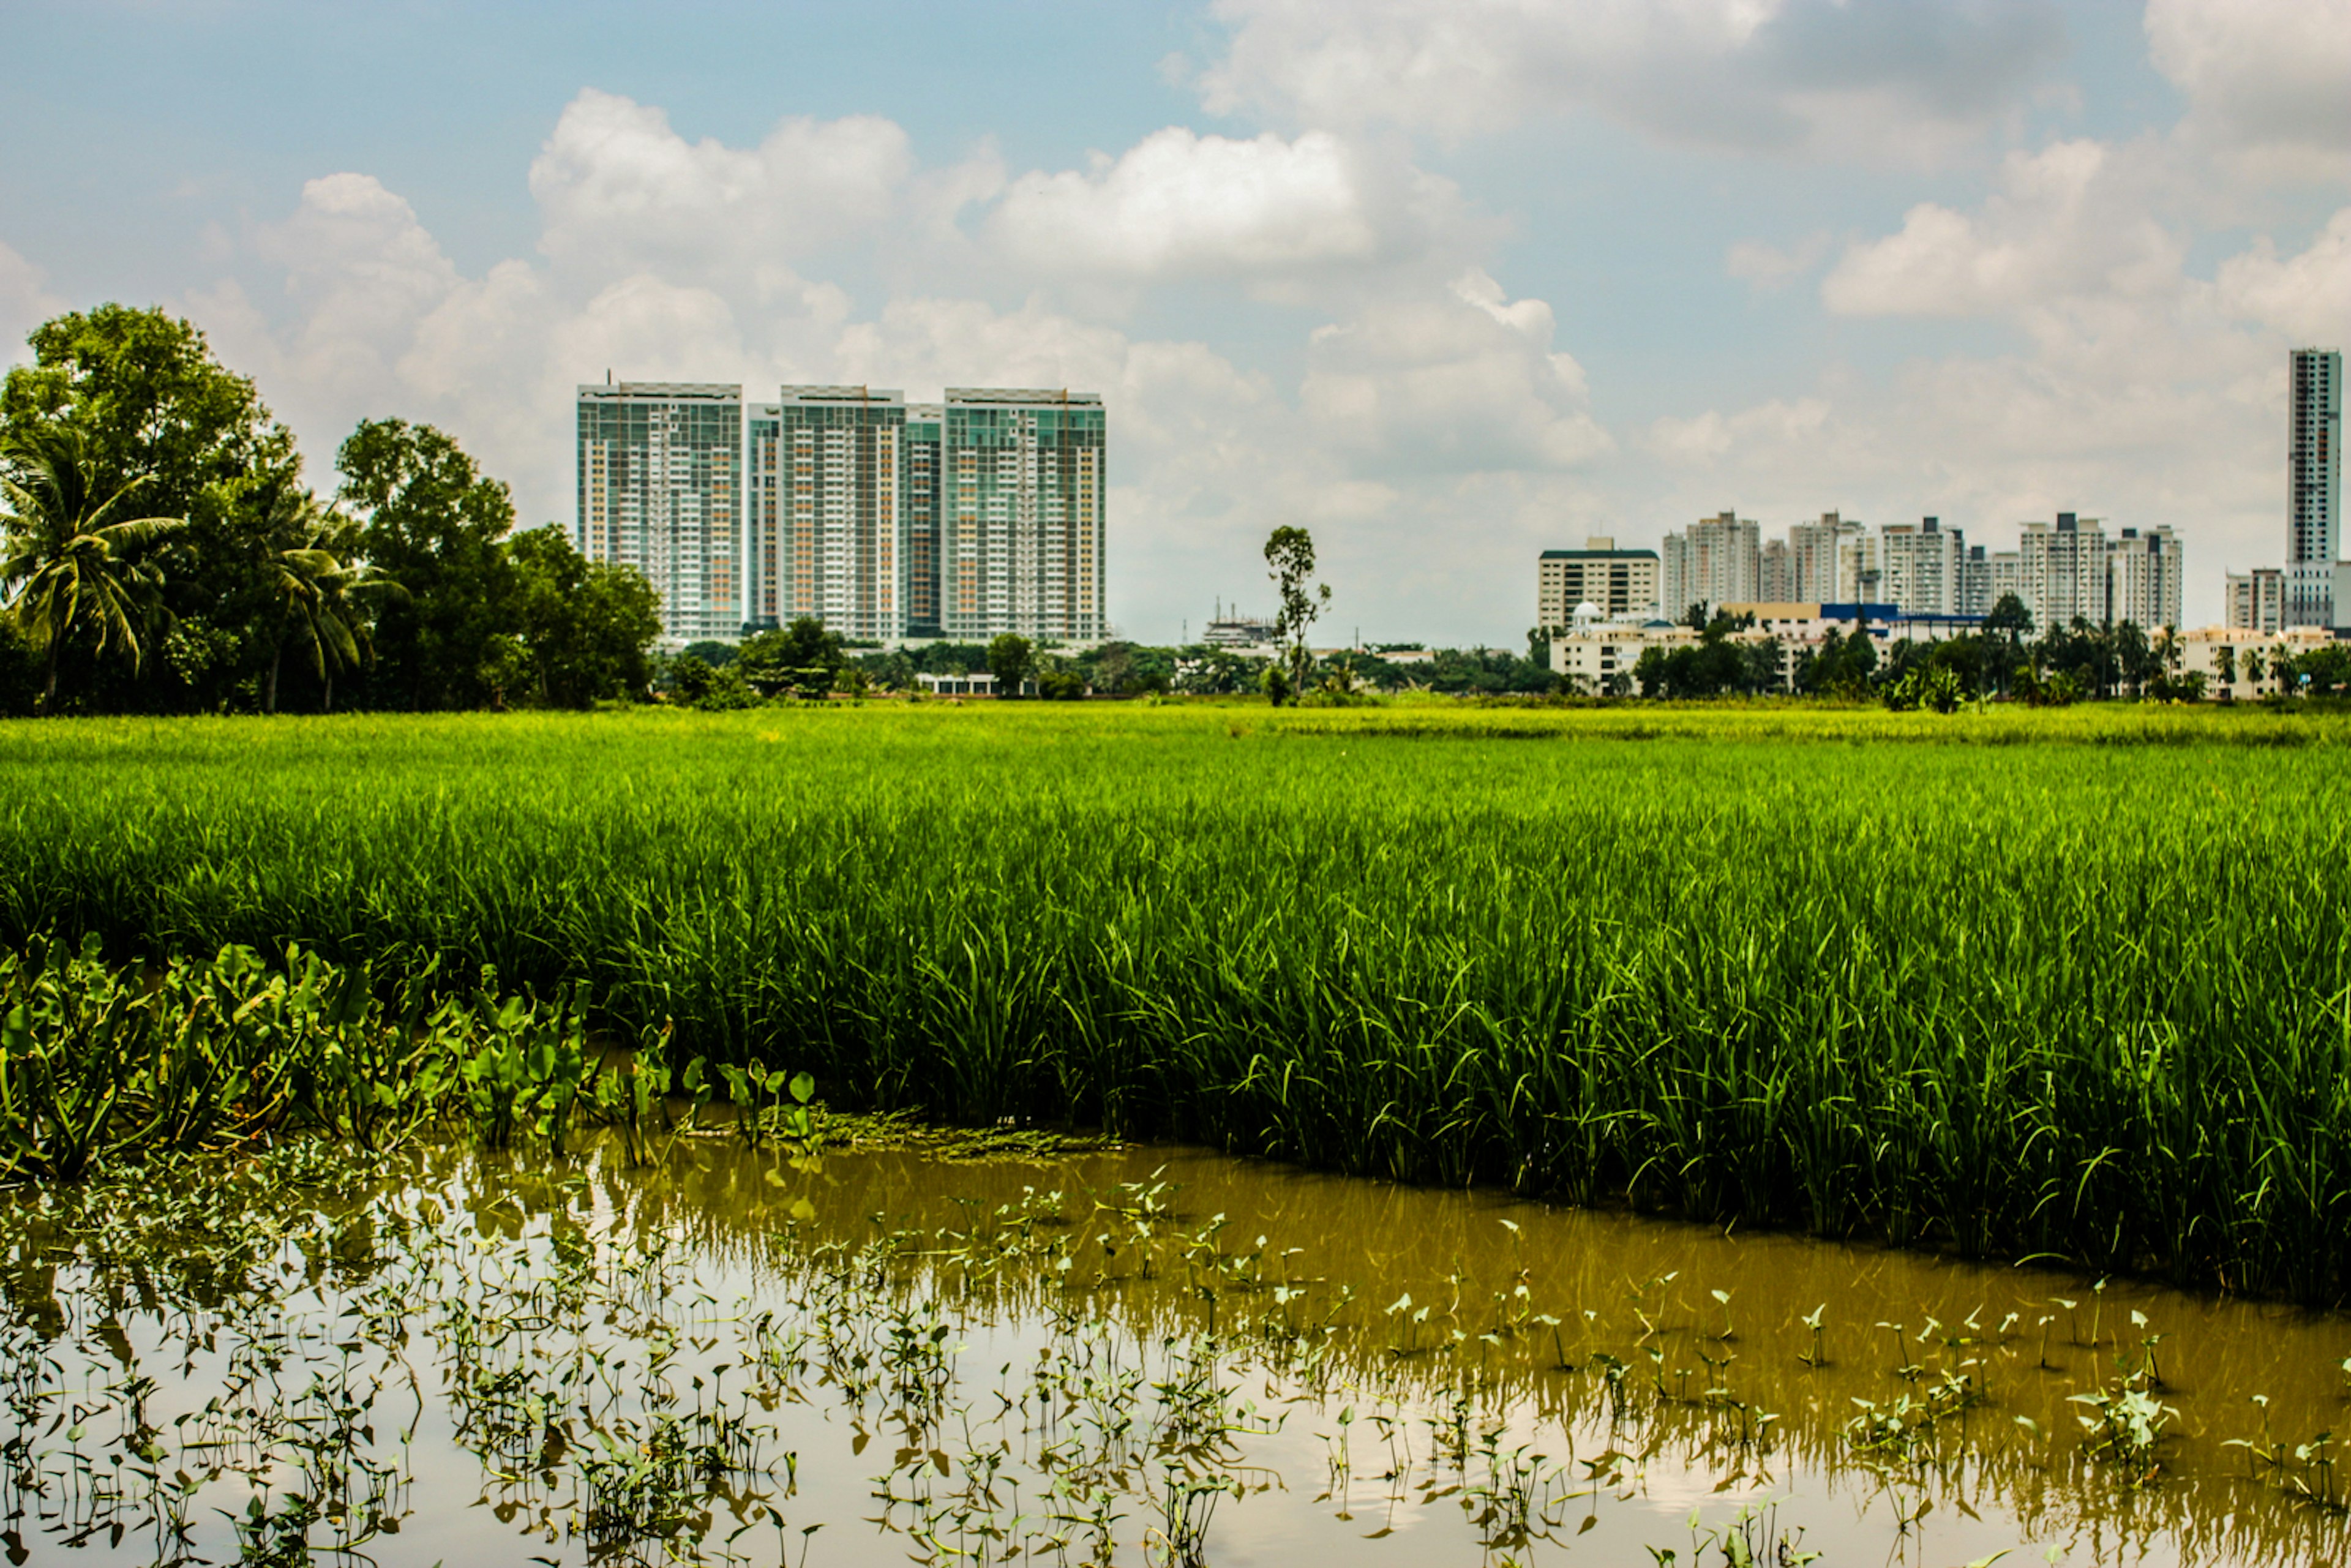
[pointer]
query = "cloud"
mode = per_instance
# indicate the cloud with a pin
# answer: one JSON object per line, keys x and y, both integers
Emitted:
{"x": 1872, "y": 79}
{"x": 619, "y": 188}
{"x": 1180, "y": 205}
{"x": 2070, "y": 218}
{"x": 2306, "y": 296}
{"x": 1449, "y": 383}
{"x": 2264, "y": 75}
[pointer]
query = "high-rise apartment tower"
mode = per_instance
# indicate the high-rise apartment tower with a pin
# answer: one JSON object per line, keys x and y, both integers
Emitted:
{"x": 661, "y": 478}
{"x": 1716, "y": 560}
{"x": 2313, "y": 487}
{"x": 1023, "y": 491}
{"x": 827, "y": 508}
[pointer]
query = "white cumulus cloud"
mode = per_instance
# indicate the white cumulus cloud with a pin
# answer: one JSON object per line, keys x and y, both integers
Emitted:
{"x": 1179, "y": 203}
{"x": 1865, "y": 77}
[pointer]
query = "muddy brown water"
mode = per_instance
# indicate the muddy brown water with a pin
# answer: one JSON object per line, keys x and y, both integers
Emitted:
{"x": 1148, "y": 1356}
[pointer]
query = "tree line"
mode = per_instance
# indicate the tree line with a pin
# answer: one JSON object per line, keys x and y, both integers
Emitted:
{"x": 161, "y": 552}
{"x": 2078, "y": 661}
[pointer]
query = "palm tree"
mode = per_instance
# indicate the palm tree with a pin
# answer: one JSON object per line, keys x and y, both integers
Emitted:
{"x": 322, "y": 597}
{"x": 66, "y": 566}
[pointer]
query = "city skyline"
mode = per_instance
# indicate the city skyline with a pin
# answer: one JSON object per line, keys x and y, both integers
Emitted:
{"x": 886, "y": 521}
{"x": 1447, "y": 285}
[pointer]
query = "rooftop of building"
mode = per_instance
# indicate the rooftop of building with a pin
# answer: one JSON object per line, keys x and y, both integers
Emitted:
{"x": 662, "y": 390}
{"x": 1053, "y": 395}
{"x": 861, "y": 395}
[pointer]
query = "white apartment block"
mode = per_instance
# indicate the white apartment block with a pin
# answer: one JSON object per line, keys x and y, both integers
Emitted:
{"x": 2142, "y": 578}
{"x": 828, "y": 514}
{"x": 2256, "y": 602}
{"x": 1618, "y": 583}
{"x": 1860, "y": 577}
{"x": 661, "y": 475}
{"x": 2063, "y": 571}
{"x": 1815, "y": 554}
{"x": 1716, "y": 560}
{"x": 1922, "y": 568}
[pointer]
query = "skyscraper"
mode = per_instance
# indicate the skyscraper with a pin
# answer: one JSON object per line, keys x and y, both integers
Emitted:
{"x": 827, "y": 509}
{"x": 2064, "y": 571}
{"x": 2142, "y": 578}
{"x": 661, "y": 474}
{"x": 2313, "y": 485}
{"x": 1022, "y": 496}
{"x": 1814, "y": 551}
{"x": 1922, "y": 567}
{"x": 1717, "y": 560}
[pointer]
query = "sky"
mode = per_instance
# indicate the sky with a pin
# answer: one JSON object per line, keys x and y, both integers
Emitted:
{"x": 1449, "y": 282}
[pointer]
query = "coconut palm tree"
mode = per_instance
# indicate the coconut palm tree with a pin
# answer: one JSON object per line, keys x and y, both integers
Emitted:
{"x": 322, "y": 597}
{"x": 68, "y": 566}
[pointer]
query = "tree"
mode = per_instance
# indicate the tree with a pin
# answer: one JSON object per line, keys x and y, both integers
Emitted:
{"x": 586, "y": 628}
{"x": 155, "y": 408}
{"x": 1010, "y": 658}
{"x": 804, "y": 658}
{"x": 71, "y": 567}
{"x": 325, "y": 606}
{"x": 432, "y": 523}
{"x": 1289, "y": 553}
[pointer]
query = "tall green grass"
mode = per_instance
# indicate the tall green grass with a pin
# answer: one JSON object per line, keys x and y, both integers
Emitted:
{"x": 2064, "y": 984}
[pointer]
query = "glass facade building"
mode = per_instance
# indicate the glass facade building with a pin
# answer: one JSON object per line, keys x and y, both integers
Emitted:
{"x": 661, "y": 477}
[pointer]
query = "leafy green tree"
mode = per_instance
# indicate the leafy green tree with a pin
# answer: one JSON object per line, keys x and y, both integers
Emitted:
{"x": 156, "y": 409}
{"x": 587, "y": 627}
{"x": 1010, "y": 659}
{"x": 804, "y": 658}
{"x": 434, "y": 524}
{"x": 711, "y": 651}
{"x": 1290, "y": 558}
{"x": 72, "y": 568}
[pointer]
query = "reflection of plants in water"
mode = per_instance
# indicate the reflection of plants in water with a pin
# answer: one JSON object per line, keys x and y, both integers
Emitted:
{"x": 613, "y": 1400}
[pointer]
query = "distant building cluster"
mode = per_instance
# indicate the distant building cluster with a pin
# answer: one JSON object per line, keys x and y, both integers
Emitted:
{"x": 2059, "y": 570}
{"x": 1601, "y": 607}
{"x": 887, "y": 521}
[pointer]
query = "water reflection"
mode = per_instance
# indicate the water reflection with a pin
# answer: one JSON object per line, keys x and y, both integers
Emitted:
{"x": 1144, "y": 1355}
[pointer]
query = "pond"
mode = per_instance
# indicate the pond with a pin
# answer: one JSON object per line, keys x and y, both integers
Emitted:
{"x": 1140, "y": 1356}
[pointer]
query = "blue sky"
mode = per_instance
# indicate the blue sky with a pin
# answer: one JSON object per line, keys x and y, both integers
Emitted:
{"x": 1450, "y": 283}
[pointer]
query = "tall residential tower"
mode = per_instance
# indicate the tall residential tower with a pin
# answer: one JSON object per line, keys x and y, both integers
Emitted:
{"x": 661, "y": 477}
{"x": 2314, "y": 488}
{"x": 1022, "y": 496}
{"x": 827, "y": 506}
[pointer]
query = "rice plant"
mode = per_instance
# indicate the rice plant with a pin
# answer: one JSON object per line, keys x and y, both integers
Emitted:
{"x": 2069, "y": 984}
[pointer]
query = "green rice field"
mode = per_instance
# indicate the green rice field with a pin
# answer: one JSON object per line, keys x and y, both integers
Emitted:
{"x": 2071, "y": 985}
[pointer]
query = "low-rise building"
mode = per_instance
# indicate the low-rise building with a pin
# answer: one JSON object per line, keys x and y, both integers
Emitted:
{"x": 1595, "y": 655}
{"x": 2248, "y": 658}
